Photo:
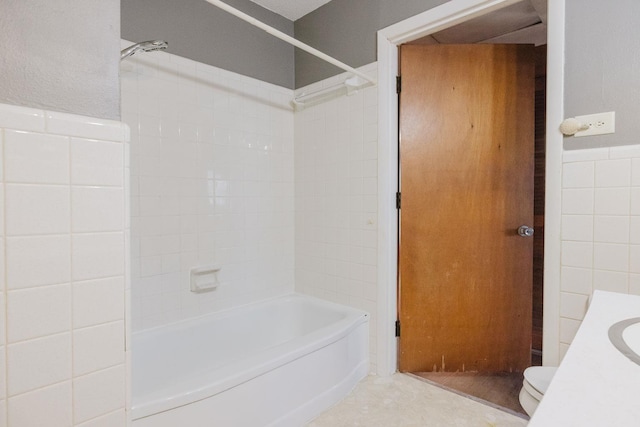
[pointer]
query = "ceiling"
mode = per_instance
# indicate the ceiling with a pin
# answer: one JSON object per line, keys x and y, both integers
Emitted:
{"x": 522, "y": 22}
{"x": 291, "y": 9}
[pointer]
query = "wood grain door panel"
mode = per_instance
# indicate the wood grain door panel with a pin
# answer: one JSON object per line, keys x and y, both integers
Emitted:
{"x": 466, "y": 150}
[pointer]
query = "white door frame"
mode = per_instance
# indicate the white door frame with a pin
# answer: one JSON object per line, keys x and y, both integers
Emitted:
{"x": 433, "y": 20}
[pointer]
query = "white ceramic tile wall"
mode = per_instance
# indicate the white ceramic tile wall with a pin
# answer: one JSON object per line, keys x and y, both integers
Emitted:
{"x": 600, "y": 227}
{"x": 62, "y": 254}
{"x": 211, "y": 183}
{"x": 336, "y": 151}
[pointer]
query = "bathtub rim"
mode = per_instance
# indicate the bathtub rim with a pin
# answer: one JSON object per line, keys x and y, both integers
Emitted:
{"x": 247, "y": 307}
{"x": 252, "y": 366}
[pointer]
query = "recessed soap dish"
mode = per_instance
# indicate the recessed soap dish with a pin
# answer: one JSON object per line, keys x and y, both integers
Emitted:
{"x": 204, "y": 278}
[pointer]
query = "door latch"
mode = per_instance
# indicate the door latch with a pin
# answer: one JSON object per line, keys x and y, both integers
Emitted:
{"x": 525, "y": 231}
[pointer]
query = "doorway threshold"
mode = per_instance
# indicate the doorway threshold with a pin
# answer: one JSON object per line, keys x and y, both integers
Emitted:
{"x": 499, "y": 390}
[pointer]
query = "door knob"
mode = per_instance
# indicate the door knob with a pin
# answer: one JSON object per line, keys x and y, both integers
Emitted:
{"x": 525, "y": 231}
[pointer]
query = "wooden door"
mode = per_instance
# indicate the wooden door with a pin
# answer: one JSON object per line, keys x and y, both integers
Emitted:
{"x": 466, "y": 160}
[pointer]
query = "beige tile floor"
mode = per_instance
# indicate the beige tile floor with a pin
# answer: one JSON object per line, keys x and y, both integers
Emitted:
{"x": 404, "y": 401}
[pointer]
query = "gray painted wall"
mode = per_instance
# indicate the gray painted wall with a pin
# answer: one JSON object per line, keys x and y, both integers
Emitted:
{"x": 61, "y": 55}
{"x": 602, "y": 67}
{"x": 346, "y": 30}
{"x": 64, "y": 56}
{"x": 200, "y": 31}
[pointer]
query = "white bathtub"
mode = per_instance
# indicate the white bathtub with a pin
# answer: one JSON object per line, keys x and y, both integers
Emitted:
{"x": 278, "y": 362}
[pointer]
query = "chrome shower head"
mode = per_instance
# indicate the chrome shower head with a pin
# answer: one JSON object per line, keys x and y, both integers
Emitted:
{"x": 147, "y": 46}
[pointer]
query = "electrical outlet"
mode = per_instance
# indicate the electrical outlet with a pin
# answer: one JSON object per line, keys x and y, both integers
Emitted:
{"x": 599, "y": 124}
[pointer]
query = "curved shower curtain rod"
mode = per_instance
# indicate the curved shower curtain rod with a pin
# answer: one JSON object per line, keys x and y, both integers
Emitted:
{"x": 282, "y": 36}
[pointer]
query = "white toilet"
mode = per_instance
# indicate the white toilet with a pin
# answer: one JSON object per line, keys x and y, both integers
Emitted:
{"x": 535, "y": 384}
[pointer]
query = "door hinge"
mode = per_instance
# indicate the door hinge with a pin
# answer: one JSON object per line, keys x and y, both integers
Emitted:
{"x": 397, "y": 328}
{"x": 398, "y": 84}
{"x": 398, "y": 200}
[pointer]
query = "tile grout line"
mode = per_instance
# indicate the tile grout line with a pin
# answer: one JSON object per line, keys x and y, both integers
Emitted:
{"x": 631, "y": 215}
{"x": 593, "y": 226}
{"x": 71, "y": 282}
{"x": 126, "y": 211}
{"x": 4, "y": 279}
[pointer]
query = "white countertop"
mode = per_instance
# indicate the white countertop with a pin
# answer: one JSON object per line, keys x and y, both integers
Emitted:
{"x": 595, "y": 385}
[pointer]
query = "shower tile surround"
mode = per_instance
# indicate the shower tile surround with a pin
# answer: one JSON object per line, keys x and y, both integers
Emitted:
{"x": 336, "y": 187}
{"x": 211, "y": 183}
{"x": 63, "y": 243}
{"x": 600, "y": 229}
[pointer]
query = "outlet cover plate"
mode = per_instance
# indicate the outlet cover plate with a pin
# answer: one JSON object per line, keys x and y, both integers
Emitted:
{"x": 599, "y": 124}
